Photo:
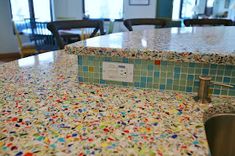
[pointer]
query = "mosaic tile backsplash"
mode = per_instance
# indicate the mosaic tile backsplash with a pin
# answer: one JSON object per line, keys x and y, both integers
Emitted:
{"x": 163, "y": 75}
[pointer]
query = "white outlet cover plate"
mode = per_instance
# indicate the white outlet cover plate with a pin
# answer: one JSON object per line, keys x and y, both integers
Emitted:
{"x": 115, "y": 71}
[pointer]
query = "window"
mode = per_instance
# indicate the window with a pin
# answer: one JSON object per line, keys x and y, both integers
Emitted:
{"x": 189, "y": 8}
{"x": 103, "y": 9}
{"x": 42, "y": 10}
{"x": 210, "y": 3}
{"x": 20, "y": 9}
{"x": 176, "y": 10}
{"x": 24, "y": 11}
{"x": 209, "y": 7}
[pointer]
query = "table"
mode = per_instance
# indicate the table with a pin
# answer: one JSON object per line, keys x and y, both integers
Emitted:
{"x": 45, "y": 111}
{"x": 83, "y": 32}
{"x": 43, "y": 31}
{"x": 77, "y": 31}
{"x": 44, "y": 39}
{"x": 197, "y": 44}
{"x": 65, "y": 32}
{"x": 69, "y": 36}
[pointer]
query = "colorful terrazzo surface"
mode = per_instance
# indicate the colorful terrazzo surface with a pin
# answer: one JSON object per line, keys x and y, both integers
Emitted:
{"x": 45, "y": 111}
{"x": 199, "y": 44}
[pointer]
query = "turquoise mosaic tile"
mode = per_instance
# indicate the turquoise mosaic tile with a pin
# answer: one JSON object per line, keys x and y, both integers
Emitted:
{"x": 189, "y": 89}
{"x": 227, "y": 79}
{"x": 163, "y": 75}
{"x": 190, "y": 77}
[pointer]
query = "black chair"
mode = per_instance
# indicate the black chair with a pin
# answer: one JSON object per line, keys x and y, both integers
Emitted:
{"x": 171, "y": 23}
{"x": 43, "y": 38}
{"x": 56, "y": 27}
{"x": 207, "y": 22}
{"x": 158, "y": 23}
{"x": 30, "y": 24}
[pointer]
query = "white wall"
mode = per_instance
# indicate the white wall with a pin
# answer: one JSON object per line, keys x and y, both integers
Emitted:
{"x": 131, "y": 11}
{"x": 8, "y": 43}
{"x": 68, "y": 9}
{"x": 73, "y": 9}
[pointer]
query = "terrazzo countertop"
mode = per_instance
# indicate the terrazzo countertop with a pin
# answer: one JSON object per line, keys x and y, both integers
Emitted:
{"x": 45, "y": 111}
{"x": 190, "y": 44}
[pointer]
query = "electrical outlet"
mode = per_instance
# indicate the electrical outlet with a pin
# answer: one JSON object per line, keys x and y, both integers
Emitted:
{"x": 115, "y": 71}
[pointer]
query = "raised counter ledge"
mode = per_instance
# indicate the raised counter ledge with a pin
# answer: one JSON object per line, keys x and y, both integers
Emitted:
{"x": 214, "y": 45}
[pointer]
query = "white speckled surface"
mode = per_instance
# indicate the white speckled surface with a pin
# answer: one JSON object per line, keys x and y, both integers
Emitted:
{"x": 45, "y": 111}
{"x": 197, "y": 44}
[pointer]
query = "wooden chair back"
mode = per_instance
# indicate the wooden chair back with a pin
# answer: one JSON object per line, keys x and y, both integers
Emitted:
{"x": 56, "y": 26}
{"x": 158, "y": 23}
{"x": 24, "y": 49}
{"x": 207, "y": 22}
{"x": 17, "y": 36}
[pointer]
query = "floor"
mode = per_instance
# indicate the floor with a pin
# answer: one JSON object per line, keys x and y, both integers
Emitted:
{"x": 8, "y": 58}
